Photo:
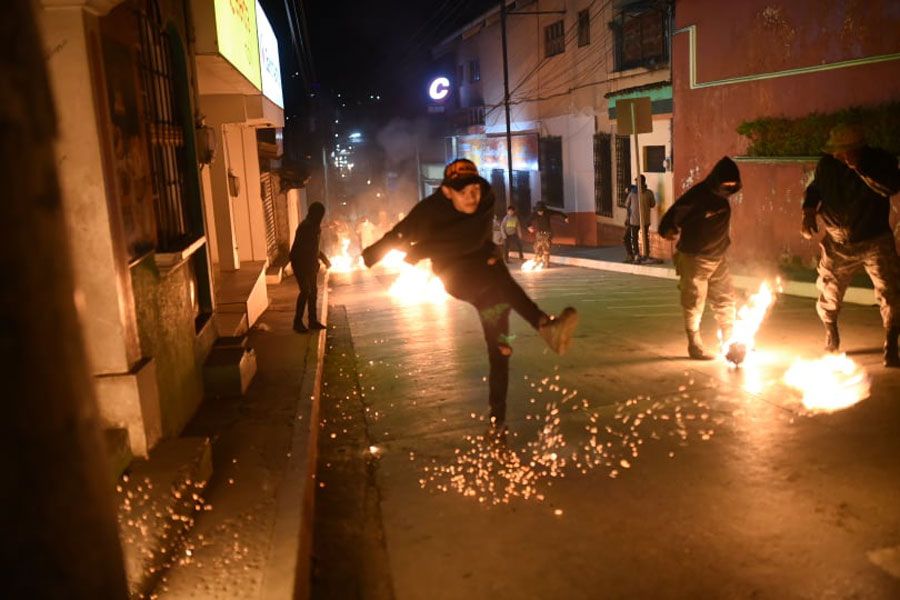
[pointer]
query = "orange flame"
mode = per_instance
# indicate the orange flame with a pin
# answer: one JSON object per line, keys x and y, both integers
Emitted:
{"x": 343, "y": 262}
{"x": 833, "y": 382}
{"x": 532, "y": 265}
{"x": 749, "y": 319}
{"x": 414, "y": 284}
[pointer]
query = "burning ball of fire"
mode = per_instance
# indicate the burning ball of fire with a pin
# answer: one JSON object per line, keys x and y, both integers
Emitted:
{"x": 833, "y": 382}
{"x": 532, "y": 265}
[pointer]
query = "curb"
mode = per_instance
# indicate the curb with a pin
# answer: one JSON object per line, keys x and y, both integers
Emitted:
{"x": 803, "y": 289}
{"x": 287, "y": 574}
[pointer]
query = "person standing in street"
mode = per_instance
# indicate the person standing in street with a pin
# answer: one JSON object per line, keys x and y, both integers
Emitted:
{"x": 452, "y": 227}
{"x": 701, "y": 219}
{"x": 633, "y": 221}
{"x": 543, "y": 231}
{"x": 511, "y": 228}
{"x": 305, "y": 257}
{"x": 851, "y": 192}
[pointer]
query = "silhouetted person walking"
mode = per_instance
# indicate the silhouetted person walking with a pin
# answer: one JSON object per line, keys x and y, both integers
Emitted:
{"x": 305, "y": 257}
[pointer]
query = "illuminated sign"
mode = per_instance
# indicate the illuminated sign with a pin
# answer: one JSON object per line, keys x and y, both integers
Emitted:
{"x": 490, "y": 152}
{"x": 439, "y": 88}
{"x": 268, "y": 58}
{"x": 237, "y": 40}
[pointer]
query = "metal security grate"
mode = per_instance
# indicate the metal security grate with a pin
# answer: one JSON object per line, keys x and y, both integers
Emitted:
{"x": 603, "y": 198}
{"x": 267, "y": 190}
{"x": 623, "y": 168}
{"x": 165, "y": 134}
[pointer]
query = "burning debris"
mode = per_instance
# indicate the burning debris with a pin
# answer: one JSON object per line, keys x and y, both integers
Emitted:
{"x": 750, "y": 316}
{"x": 532, "y": 265}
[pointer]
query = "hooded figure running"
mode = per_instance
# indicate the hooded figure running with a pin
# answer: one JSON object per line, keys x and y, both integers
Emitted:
{"x": 702, "y": 217}
{"x": 305, "y": 257}
{"x": 543, "y": 231}
{"x": 452, "y": 227}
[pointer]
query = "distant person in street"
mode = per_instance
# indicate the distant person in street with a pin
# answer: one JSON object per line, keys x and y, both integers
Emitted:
{"x": 852, "y": 192}
{"x": 701, "y": 219}
{"x": 452, "y": 227}
{"x": 633, "y": 221}
{"x": 543, "y": 232}
{"x": 305, "y": 257}
{"x": 367, "y": 232}
{"x": 511, "y": 228}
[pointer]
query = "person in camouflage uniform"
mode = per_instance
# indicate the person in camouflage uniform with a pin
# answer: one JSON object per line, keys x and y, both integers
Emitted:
{"x": 701, "y": 219}
{"x": 851, "y": 193}
{"x": 543, "y": 232}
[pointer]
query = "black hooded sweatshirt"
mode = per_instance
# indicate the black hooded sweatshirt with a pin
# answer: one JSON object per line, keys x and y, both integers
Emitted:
{"x": 305, "y": 254}
{"x": 701, "y": 215}
{"x": 458, "y": 244}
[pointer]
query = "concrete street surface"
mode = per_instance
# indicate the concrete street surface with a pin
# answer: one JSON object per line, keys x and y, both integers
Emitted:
{"x": 630, "y": 472}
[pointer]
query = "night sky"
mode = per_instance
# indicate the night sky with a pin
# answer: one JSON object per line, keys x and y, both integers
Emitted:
{"x": 363, "y": 47}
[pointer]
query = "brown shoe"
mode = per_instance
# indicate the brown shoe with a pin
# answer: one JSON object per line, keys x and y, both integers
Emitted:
{"x": 891, "y": 349}
{"x": 695, "y": 347}
{"x": 557, "y": 331}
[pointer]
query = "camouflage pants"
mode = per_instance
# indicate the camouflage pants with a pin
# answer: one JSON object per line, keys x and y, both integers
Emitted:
{"x": 703, "y": 277}
{"x": 839, "y": 262}
{"x": 542, "y": 247}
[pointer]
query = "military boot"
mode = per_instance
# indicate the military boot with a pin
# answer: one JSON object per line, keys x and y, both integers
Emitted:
{"x": 832, "y": 338}
{"x": 891, "y": 352}
{"x": 695, "y": 346}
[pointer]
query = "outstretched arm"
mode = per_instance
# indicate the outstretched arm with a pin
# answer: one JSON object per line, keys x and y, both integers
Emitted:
{"x": 879, "y": 171}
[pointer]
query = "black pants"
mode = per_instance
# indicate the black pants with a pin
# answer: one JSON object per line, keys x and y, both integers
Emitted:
{"x": 308, "y": 282}
{"x": 512, "y": 241}
{"x": 632, "y": 240}
{"x": 494, "y": 304}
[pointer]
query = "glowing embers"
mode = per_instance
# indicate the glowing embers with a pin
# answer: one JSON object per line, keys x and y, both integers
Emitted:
{"x": 343, "y": 262}
{"x": 532, "y": 265}
{"x": 749, "y": 318}
{"x": 830, "y": 383}
{"x": 414, "y": 284}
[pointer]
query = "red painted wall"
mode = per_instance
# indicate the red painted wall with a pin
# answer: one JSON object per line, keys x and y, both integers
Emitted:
{"x": 754, "y": 37}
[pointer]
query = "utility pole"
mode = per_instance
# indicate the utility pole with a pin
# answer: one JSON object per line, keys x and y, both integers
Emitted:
{"x": 58, "y": 509}
{"x": 509, "y": 156}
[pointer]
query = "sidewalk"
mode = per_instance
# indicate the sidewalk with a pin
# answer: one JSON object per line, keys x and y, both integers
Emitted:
{"x": 796, "y": 282}
{"x": 252, "y": 536}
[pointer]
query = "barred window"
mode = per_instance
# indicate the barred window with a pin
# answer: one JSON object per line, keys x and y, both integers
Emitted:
{"x": 584, "y": 28}
{"x": 623, "y": 168}
{"x": 554, "y": 39}
{"x": 655, "y": 159}
{"x": 551, "y": 166}
{"x": 603, "y": 198}
{"x": 474, "y": 71}
{"x": 640, "y": 39}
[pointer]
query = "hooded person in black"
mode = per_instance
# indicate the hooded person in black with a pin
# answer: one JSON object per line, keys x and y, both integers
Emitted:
{"x": 700, "y": 219}
{"x": 305, "y": 256}
{"x": 453, "y": 228}
{"x": 852, "y": 193}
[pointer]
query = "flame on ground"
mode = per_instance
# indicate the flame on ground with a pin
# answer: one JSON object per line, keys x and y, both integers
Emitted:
{"x": 532, "y": 265}
{"x": 749, "y": 319}
{"x": 343, "y": 262}
{"x": 415, "y": 284}
{"x": 830, "y": 383}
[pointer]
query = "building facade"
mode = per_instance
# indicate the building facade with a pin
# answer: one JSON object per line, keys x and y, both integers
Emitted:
{"x": 143, "y": 207}
{"x": 741, "y": 62}
{"x": 569, "y": 64}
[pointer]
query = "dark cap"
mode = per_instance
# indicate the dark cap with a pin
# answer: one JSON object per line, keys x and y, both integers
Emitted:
{"x": 460, "y": 173}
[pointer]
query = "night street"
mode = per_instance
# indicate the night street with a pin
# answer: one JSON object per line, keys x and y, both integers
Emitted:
{"x": 712, "y": 482}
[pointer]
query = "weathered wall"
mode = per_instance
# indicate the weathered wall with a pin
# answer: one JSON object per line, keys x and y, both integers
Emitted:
{"x": 755, "y": 37}
{"x": 166, "y": 329}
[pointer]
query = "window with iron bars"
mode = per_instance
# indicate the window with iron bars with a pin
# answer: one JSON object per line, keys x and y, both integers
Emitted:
{"x": 603, "y": 197}
{"x": 550, "y": 159}
{"x": 641, "y": 37}
{"x": 623, "y": 168}
{"x": 165, "y": 131}
{"x": 554, "y": 39}
{"x": 474, "y": 71}
{"x": 584, "y": 28}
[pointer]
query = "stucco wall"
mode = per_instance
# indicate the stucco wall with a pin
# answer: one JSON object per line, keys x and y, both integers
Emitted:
{"x": 166, "y": 329}
{"x": 757, "y": 37}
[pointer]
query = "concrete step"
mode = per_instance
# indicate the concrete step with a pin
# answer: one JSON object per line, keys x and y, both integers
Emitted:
{"x": 231, "y": 323}
{"x": 158, "y": 500}
{"x": 118, "y": 451}
{"x": 230, "y": 367}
